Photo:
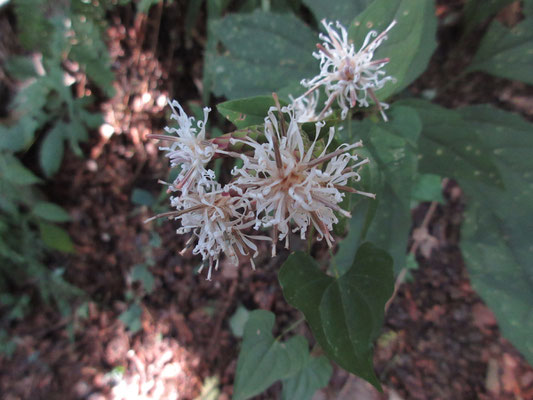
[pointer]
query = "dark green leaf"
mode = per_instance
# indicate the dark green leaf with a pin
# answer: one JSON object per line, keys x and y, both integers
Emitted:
{"x": 246, "y": 112}
{"x": 265, "y": 52}
{"x": 55, "y": 237}
{"x": 51, "y": 153}
{"x": 51, "y": 212}
{"x": 506, "y": 52}
{"x": 449, "y": 147}
{"x": 410, "y": 43}
{"x": 142, "y": 197}
{"x": 340, "y": 10}
{"x": 345, "y": 313}
{"x": 132, "y": 318}
{"x": 19, "y": 136}
{"x": 13, "y": 171}
{"x": 263, "y": 360}
{"x": 215, "y": 8}
{"x": 313, "y": 376}
{"x": 496, "y": 236}
{"x": 392, "y": 150}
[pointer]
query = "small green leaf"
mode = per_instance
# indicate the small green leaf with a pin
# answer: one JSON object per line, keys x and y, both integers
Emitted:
{"x": 428, "y": 187}
{"x": 507, "y": 53}
{"x": 238, "y": 321}
{"x": 313, "y": 376}
{"x": 142, "y": 197}
{"x": 13, "y": 171}
{"x": 19, "y": 136}
{"x": 51, "y": 153}
{"x": 410, "y": 43}
{"x": 263, "y": 360}
{"x": 265, "y": 52}
{"x": 142, "y": 274}
{"x": 246, "y": 112}
{"x": 50, "y": 212}
{"x": 345, "y": 313}
{"x": 55, "y": 237}
{"x": 132, "y": 318}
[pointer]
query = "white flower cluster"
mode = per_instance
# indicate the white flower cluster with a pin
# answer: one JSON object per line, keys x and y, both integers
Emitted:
{"x": 282, "y": 183}
{"x": 346, "y": 75}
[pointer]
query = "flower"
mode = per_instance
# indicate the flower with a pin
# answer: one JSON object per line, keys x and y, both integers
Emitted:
{"x": 347, "y": 75}
{"x": 188, "y": 149}
{"x": 217, "y": 219}
{"x": 285, "y": 182}
{"x": 305, "y": 108}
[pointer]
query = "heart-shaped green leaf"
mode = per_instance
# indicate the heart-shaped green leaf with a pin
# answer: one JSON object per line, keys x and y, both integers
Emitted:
{"x": 346, "y": 312}
{"x": 313, "y": 376}
{"x": 263, "y": 360}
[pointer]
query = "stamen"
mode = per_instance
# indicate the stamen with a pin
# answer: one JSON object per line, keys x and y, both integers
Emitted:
{"x": 324, "y": 50}
{"x": 328, "y": 105}
{"x": 280, "y": 115}
{"x": 378, "y": 104}
{"x": 329, "y": 156}
{"x": 163, "y": 137}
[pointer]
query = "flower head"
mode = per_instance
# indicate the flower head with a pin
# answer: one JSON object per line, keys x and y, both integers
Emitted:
{"x": 286, "y": 183}
{"x": 217, "y": 220}
{"x": 347, "y": 75}
{"x": 188, "y": 148}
